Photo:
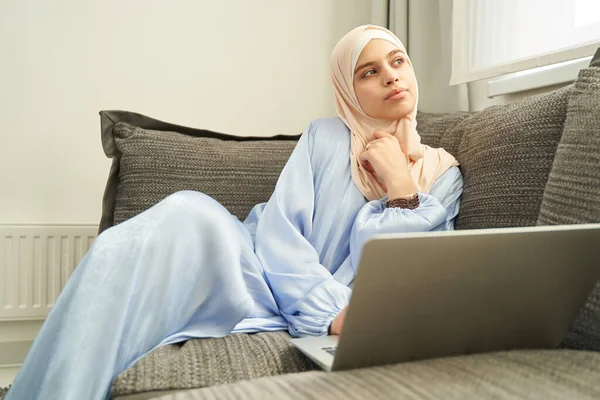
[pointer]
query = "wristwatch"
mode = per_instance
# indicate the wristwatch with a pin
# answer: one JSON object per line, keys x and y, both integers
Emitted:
{"x": 411, "y": 202}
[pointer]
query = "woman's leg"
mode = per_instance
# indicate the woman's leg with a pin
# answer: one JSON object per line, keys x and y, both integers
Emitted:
{"x": 141, "y": 282}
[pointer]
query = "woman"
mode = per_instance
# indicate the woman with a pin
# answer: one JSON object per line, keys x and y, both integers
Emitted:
{"x": 186, "y": 268}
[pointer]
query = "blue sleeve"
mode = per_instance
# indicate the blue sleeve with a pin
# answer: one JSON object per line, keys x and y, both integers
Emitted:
{"x": 309, "y": 297}
{"x": 437, "y": 211}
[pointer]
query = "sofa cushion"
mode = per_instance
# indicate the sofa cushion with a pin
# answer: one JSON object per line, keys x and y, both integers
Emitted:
{"x": 506, "y": 153}
{"x": 573, "y": 190}
{"x": 153, "y": 159}
{"x": 572, "y": 195}
{"x": 544, "y": 375}
{"x": 207, "y": 362}
{"x": 437, "y": 129}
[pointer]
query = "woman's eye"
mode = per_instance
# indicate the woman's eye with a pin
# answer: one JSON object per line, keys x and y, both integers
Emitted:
{"x": 399, "y": 61}
{"x": 368, "y": 73}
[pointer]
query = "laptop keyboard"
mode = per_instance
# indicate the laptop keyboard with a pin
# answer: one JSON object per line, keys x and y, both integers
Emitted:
{"x": 330, "y": 350}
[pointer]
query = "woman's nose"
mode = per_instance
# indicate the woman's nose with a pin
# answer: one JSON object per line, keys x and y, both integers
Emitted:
{"x": 391, "y": 77}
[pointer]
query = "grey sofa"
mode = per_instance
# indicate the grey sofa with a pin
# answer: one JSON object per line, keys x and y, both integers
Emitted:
{"x": 536, "y": 161}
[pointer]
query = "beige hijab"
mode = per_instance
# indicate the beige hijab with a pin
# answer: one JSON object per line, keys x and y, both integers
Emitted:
{"x": 425, "y": 164}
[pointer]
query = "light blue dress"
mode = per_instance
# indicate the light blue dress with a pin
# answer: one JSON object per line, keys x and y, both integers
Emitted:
{"x": 186, "y": 268}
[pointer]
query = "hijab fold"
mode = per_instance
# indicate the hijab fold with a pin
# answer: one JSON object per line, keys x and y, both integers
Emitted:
{"x": 425, "y": 163}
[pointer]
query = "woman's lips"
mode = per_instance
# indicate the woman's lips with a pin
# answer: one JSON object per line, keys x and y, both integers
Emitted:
{"x": 396, "y": 94}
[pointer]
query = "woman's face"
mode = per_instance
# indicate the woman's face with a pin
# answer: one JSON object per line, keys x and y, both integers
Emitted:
{"x": 384, "y": 82}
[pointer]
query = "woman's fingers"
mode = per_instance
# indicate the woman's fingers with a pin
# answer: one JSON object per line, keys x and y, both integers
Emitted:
{"x": 382, "y": 140}
{"x": 367, "y": 165}
{"x": 365, "y": 158}
{"x": 375, "y": 144}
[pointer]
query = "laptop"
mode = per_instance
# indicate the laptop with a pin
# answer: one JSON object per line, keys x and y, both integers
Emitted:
{"x": 439, "y": 294}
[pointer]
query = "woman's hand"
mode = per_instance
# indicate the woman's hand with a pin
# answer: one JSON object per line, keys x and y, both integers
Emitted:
{"x": 338, "y": 322}
{"x": 385, "y": 160}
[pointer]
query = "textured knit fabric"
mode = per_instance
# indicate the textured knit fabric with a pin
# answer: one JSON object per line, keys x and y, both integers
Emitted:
{"x": 572, "y": 195}
{"x": 210, "y": 362}
{"x": 438, "y": 129}
{"x": 543, "y": 375}
{"x": 160, "y": 162}
{"x": 506, "y": 153}
{"x": 154, "y": 164}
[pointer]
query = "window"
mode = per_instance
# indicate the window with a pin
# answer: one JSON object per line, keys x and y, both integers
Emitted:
{"x": 498, "y": 37}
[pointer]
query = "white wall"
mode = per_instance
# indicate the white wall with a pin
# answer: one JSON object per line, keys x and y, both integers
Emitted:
{"x": 246, "y": 67}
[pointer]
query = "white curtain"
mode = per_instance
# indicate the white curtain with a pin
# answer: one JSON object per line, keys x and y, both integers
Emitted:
{"x": 493, "y": 37}
{"x": 425, "y": 27}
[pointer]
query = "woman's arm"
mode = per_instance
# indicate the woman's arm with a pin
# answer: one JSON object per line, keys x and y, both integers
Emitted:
{"x": 386, "y": 161}
{"x": 437, "y": 211}
{"x": 307, "y": 294}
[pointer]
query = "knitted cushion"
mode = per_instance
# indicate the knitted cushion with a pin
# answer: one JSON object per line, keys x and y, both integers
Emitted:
{"x": 153, "y": 159}
{"x": 506, "y": 153}
{"x": 437, "y": 129}
{"x": 572, "y": 195}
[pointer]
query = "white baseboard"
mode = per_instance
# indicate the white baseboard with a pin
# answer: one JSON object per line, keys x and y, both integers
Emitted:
{"x": 15, "y": 331}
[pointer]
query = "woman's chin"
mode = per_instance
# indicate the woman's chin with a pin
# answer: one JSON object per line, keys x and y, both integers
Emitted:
{"x": 393, "y": 112}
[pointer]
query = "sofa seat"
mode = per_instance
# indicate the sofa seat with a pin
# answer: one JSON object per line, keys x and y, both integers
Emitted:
{"x": 208, "y": 362}
{"x": 522, "y": 374}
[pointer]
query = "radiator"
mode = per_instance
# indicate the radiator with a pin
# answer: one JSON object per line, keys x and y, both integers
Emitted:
{"x": 35, "y": 263}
